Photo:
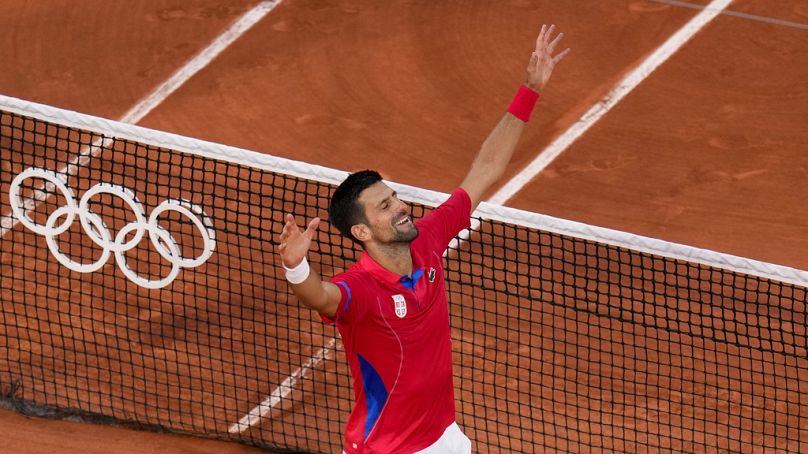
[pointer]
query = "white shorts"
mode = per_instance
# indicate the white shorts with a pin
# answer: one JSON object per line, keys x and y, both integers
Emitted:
{"x": 453, "y": 441}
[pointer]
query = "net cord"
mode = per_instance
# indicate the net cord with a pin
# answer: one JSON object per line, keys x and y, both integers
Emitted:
{"x": 111, "y": 128}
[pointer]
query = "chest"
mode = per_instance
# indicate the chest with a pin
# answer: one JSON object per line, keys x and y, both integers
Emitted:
{"x": 391, "y": 314}
{"x": 412, "y": 297}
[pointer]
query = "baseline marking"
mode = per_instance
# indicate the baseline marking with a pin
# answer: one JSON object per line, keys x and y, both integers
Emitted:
{"x": 147, "y": 104}
{"x": 754, "y": 17}
{"x": 284, "y": 389}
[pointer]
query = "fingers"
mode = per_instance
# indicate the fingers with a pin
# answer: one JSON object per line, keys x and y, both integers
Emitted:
{"x": 288, "y": 227}
{"x": 544, "y": 36}
{"x": 312, "y": 228}
{"x": 290, "y": 223}
{"x": 546, "y": 44}
{"x": 540, "y": 39}
{"x": 561, "y": 55}
{"x": 294, "y": 242}
{"x": 291, "y": 230}
{"x": 552, "y": 45}
{"x": 549, "y": 33}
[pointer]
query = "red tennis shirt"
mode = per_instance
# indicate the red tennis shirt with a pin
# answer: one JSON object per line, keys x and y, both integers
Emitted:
{"x": 397, "y": 339}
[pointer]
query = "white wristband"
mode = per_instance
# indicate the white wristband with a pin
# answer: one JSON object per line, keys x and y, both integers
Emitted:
{"x": 299, "y": 273}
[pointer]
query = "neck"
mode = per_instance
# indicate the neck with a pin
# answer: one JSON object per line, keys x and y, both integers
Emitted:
{"x": 394, "y": 257}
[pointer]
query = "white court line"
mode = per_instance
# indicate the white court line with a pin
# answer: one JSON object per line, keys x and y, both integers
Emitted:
{"x": 202, "y": 59}
{"x": 623, "y": 88}
{"x": 283, "y": 390}
{"x": 147, "y": 104}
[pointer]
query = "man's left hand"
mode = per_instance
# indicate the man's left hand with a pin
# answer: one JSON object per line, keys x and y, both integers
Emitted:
{"x": 543, "y": 61}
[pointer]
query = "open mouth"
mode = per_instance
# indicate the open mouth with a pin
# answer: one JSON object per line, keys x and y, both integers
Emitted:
{"x": 404, "y": 221}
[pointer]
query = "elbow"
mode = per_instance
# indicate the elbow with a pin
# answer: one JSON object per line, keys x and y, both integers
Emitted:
{"x": 315, "y": 299}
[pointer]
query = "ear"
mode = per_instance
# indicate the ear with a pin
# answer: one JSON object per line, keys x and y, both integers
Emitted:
{"x": 361, "y": 232}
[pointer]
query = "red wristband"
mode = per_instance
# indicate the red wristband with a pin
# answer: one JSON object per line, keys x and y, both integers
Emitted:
{"x": 523, "y": 103}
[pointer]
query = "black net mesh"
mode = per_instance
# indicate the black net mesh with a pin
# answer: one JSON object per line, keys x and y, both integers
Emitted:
{"x": 561, "y": 344}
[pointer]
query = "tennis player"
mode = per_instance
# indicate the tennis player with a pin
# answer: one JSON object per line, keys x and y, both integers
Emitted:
{"x": 391, "y": 306}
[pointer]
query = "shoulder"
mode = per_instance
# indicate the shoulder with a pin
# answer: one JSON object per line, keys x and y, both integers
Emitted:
{"x": 449, "y": 218}
{"x": 459, "y": 199}
{"x": 354, "y": 273}
{"x": 354, "y": 279}
{"x": 356, "y": 288}
{"x": 458, "y": 205}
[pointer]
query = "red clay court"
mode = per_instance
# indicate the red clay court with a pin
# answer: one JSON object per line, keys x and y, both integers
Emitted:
{"x": 706, "y": 151}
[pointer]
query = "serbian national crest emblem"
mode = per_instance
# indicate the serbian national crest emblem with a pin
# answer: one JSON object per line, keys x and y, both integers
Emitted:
{"x": 400, "y": 305}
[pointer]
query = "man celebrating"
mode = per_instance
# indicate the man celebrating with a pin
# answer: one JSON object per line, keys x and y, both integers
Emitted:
{"x": 391, "y": 306}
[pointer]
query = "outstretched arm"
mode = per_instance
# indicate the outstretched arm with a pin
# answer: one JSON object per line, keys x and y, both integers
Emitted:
{"x": 496, "y": 151}
{"x": 311, "y": 290}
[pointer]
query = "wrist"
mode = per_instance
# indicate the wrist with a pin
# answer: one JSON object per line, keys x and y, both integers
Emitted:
{"x": 524, "y": 102}
{"x": 298, "y": 273}
{"x": 533, "y": 86}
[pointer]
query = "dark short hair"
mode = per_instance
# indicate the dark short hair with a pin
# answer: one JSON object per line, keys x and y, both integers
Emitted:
{"x": 345, "y": 210}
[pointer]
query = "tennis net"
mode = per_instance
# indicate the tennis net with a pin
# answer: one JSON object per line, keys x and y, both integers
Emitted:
{"x": 139, "y": 287}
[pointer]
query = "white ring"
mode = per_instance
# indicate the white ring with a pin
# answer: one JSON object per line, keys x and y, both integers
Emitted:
{"x": 192, "y": 212}
{"x": 127, "y": 196}
{"x": 17, "y": 209}
{"x": 50, "y": 238}
{"x": 163, "y": 235}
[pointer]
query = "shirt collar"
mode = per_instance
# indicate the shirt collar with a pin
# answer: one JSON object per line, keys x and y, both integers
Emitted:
{"x": 367, "y": 263}
{"x": 410, "y": 283}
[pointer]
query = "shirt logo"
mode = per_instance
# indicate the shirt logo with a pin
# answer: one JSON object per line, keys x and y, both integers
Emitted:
{"x": 400, "y": 305}
{"x": 431, "y": 275}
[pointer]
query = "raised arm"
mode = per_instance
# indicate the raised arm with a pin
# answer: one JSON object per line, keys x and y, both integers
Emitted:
{"x": 311, "y": 290}
{"x": 498, "y": 147}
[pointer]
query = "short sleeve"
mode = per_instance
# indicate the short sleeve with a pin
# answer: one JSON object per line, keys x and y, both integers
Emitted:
{"x": 351, "y": 305}
{"x": 449, "y": 218}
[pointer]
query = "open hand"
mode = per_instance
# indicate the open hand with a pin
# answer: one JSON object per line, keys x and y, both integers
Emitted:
{"x": 543, "y": 61}
{"x": 294, "y": 242}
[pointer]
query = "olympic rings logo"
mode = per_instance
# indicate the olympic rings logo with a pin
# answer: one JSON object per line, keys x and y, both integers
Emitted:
{"x": 97, "y": 230}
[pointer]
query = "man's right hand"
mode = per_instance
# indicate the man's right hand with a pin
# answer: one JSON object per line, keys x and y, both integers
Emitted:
{"x": 323, "y": 297}
{"x": 294, "y": 242}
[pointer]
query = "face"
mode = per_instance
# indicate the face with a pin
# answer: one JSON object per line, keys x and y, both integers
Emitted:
{"x": 388, "y": 217}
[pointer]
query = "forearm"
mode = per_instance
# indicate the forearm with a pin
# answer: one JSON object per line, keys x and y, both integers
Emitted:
{"x": 498, "y": 148}
{"x": 495, "y": 153}
{"x": 313, "y": 292}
